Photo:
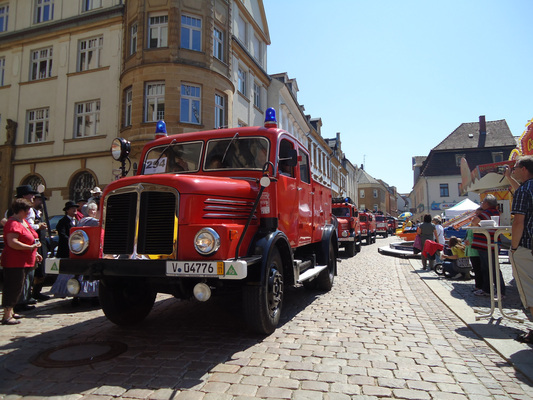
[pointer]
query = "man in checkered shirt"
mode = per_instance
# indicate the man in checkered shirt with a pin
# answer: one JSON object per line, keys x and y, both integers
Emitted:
{"x": 522, "y": 233}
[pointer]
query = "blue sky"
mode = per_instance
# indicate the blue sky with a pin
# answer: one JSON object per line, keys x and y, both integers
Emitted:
{"x": 397, "y": 77}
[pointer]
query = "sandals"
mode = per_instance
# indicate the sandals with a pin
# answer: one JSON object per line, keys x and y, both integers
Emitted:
{"x": 10, "y": 321}
{"x": 525, "y": 338}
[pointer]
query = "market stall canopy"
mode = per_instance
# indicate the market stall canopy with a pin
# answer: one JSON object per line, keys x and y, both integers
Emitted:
{"x": 484, "y": 177}
{"x": 461, "y": 208}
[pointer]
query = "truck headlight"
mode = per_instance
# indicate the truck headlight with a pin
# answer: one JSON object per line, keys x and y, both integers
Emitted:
{"x": 78, "y": 242}
{"x": 206, "y": 241}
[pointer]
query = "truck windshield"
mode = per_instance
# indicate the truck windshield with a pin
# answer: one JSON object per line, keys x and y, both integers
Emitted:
{"x": 236, "y": 153}
{"x": 380, "y": 219}
{"x": 362, "y": 218}
{"x": 173, "y": 158}
{"x": 341, "y": 212}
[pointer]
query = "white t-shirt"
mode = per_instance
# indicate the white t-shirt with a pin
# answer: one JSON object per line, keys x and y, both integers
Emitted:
{"x": 440, "y": 233}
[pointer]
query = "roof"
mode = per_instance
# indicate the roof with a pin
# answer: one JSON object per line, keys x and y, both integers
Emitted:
{"x": 363, "y": 177}
{"x": 467, "y": 135}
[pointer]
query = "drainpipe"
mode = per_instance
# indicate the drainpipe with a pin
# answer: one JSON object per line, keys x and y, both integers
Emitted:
{"x": 427, "y": 194}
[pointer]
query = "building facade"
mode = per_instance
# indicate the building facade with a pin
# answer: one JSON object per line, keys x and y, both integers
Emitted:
{"x": 60, "y": 67}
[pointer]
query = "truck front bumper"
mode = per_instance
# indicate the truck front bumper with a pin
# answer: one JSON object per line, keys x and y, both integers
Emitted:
{"x": 99, "y": 268}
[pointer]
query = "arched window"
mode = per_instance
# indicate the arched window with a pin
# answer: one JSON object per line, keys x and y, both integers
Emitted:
{"x": 33, "y": 181}
{"x": 81, "y": 186}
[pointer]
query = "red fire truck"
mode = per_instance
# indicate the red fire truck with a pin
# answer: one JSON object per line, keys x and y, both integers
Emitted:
{"x": 349, "y": 228}
{"x": 368, "y": 226}
{"x": 206, "y": 212}
{"x": 382, "y": 226}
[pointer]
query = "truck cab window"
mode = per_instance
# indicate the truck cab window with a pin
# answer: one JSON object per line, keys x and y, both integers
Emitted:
{"x": 173, "y": 158}
{"x": 283, "y": 166}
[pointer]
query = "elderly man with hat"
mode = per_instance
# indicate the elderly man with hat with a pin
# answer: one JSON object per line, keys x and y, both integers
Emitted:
{"x": 63, "y": 228}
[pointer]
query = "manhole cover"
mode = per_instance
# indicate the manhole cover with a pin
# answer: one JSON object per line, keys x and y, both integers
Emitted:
{"x": 76, "y": 354}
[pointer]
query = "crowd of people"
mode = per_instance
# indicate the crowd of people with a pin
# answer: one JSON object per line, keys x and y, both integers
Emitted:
{"x": 26, "y": 246}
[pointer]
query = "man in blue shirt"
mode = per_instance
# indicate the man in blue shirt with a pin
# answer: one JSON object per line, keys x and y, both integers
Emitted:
{"x": 522, "y": 233}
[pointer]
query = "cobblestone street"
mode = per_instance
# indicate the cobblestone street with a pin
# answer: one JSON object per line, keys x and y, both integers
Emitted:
{"x": 381, "y": 332}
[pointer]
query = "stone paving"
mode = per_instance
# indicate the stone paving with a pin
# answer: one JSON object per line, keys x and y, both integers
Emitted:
{"x": 380, "y": 333}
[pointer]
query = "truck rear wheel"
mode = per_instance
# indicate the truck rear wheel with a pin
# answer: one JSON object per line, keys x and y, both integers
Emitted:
{"x": 324, "y": 280}
{"x": 263, "y": 304}
{"x": 126, "y": 302}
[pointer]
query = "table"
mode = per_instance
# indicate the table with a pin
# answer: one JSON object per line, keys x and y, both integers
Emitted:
{"x": 493, "y": 247}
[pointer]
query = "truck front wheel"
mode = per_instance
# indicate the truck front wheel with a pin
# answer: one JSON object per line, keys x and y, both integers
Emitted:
{"x": 263, "y": 304}
{"x": 126, "y": 302}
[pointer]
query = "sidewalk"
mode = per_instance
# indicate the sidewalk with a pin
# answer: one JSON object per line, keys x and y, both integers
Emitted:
{"x": 460, "y": 299}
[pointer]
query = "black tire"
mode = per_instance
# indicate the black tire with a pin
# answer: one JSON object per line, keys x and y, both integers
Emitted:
{"x": 324, "y": 281}
{"x": 358, "y": 246}
{"x": 263, "y": 304}
{"x": 386, "y": 235}
{"x": 349, "y": 249}
{"x": 369, "y": 239}
{"x": 127, "y": 302}
{"x": 438, "y": 269}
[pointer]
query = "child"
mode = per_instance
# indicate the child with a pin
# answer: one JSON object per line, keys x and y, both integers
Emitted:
{"x": 458, "y": 251}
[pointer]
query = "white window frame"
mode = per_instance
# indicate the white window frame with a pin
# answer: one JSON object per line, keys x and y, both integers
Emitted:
{"x": 241, "y": 78}
{"x": 158, "y": 21}
{"x": 257, "y": 95}
{"x": 220, "y": 110}
{"x": 39, "y": 59}
{"x": 87, "y": 119}
{"x": 128, "y": 98}
{"x": 154, "y": 94}
{"x": 375, "y": 192}
{"x": 4, "y": 17}
{"x": 33, "y": 119}
{"x": 133, "y": 38}
{"x": 218, "y": 44}
{"x": 87, "y": 49}
{"x": 189, "y": 23}
{"x": 40, "y": 7}
{"x": 362, "y": 193}
{"x": 192, "y": 94}
{"x": 2, "y": 70}
{"x": 88, "y": 5}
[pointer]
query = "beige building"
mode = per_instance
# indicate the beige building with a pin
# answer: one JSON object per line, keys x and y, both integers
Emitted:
{"x": 60, "y": 63}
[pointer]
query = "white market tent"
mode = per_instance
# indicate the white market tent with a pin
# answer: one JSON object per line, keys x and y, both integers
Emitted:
{"x": 460, "y": 208}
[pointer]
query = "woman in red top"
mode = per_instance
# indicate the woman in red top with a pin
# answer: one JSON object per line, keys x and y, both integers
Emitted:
{"x": 19, "y": 255}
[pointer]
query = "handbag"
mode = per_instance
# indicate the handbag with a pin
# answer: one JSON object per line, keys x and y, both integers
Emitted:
{"x": 462, "y": 265}
{"x": 417, "y": 244}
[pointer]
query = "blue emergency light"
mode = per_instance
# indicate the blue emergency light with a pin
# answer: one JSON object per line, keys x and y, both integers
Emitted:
{"x": 160, "y": 129}
{"x": 270, "y": 118}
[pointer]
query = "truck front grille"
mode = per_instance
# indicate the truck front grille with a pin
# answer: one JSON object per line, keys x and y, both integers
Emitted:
{"x": 140, "y": 220}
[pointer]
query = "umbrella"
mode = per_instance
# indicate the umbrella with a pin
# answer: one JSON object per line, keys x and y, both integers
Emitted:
{"x": 404, "y": 215}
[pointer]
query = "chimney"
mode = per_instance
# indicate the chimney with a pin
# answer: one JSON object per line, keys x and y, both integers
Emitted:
{"x": 362, "y": 166}
{"x": 482, "y": 131}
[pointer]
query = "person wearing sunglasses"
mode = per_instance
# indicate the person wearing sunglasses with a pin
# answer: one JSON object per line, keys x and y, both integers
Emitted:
{"x": 522, "y": 235}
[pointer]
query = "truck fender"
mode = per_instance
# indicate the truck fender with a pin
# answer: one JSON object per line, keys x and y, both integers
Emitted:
{"x": 262, "y": 245}
{"x": 329, "y": 234}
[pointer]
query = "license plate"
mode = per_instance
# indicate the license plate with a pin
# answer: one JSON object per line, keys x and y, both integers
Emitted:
{"x": 195, "y": 268}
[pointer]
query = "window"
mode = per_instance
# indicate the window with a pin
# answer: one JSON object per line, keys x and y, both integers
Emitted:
{"x": 256, "y": 51}
{"x": 375, "y": 207}
{"x": 284, "y": 150}
{"x": 362, "y": 193}
{"x": 497, "y": 157}
{"x": 191, "y": 33}
{"x": 38, "y": 121}
{"x": 362, "y": 207}
{"x": 87, "y": 119}
{"x": 241, "y": 30}
{"x": 89, "y": 53}
{"x": 304, "y": 168}
{"x": 444, "y": 192}
{"x": 155, "y": 102}
{"x": 82, "y": 185}
{"x": 157, "y": 31}
{"x": 458, "y": 159}
{"x": 242, "y": 81}
{"x": 44, "y": 10}
{"x": 4, "y": 14}
{"x": 41, "y": 66}
{"x": 34, "y": 181}
{"x": 133, "y": 38}
{"x": 89, "y": 5}
{"x": 190, "y": 104}
{"x": 129, "y": 98}
{"x": 218, "y": 46}
{"x": 257, "y": 95}
{"x": 219, "y": 111}
{"x": 2, "y": 69}
{"x": 375, "y": 193}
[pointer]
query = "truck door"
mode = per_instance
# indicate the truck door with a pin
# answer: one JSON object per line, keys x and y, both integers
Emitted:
{"x": 287, "y": 194}
{"x": 306, "y": 199}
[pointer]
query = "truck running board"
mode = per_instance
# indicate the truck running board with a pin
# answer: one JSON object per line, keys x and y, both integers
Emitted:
{"x": 312, "y": 273}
